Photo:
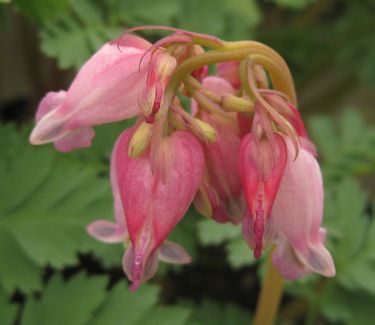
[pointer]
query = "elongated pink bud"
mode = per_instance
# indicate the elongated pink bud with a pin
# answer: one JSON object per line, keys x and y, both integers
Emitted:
{"x": 153, "y": 205}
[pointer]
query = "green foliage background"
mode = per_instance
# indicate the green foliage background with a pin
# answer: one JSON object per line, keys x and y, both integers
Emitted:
{"x": 52, "y": 272}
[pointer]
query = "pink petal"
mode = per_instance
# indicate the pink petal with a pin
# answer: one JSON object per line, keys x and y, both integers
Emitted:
{"x": 153, "y": 204}
{"x": 131, "y": 41}
{"x": 106, "y": 231}
{"x": 117, "y": 206}
{"x": 173, "y": 253}
{"x": 230, "y": 72}
{"x": 79, "y": 138}
{"x": 139, "y": 268}
{"x": 51, "y": 101}
{"x": 298, "y": 210}
{"x": 106, "y": 89}
{"x": 218, "y": 85}
{"x": 287, "y": 262}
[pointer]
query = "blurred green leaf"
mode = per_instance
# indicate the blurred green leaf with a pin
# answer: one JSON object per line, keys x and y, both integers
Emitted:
{"x": 146, "y": 12}
{"x": 210, "y": 313}
{"x": 345, "y": 307}
{"x": 347, "y": 218}
{"x": 73, "y": 38}
{"x": 346, "y": 146}
{"x": 211, "y": 233}
{"x": 294, "y": 4}
{"x": 71, "y": 302}
{"x": 84, "y": 300}
{"x": 17, "y": 270}
{"x": 46, "y": 203}
{"x": 41, "y": 11}
{"x": 122, "y": 305}
{"x": 79, "y": 31}
{"x": 8, "y": 311}
{"x": 229, "y": 19}
{"x": 238, "y": 253}
{"x": 171, "y": 315}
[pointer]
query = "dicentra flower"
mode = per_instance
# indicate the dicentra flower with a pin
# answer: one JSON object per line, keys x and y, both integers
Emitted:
{"x": 237, "y": 147}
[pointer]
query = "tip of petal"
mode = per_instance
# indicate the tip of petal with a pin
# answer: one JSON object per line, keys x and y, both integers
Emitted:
{"x": 134, "y": 285}
{"x": 106, "y": 231}
{"x": 318, "y": 259}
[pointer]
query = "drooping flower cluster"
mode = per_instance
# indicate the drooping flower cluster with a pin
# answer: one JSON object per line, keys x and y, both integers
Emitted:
{"x": 239, "y": 152}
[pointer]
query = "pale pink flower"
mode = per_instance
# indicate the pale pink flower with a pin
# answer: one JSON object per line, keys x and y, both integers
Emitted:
{"x": 109, "y": 87}
{"x": 296, "y": 219}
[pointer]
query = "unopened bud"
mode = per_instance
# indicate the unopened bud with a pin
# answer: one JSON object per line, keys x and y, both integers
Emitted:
{"x": 231, "y": 103}
{"x": 164, "y": 67}
{"x": 140, "y": 140}
{"x": 147, "y": 100}
{"x": 208, "y": 131}
{"x": 196, "y": 50}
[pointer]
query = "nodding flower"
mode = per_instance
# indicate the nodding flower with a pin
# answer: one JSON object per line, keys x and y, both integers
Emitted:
{"x": 217, "y": 125}
{"x": 140, "y": 259}
{"x": 155, "y": 199}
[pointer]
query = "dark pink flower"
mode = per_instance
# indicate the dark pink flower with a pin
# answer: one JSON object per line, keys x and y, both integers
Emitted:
{"x": 155, "y": 200}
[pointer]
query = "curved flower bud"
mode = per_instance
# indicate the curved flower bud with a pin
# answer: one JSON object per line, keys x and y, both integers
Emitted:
{"x": 106, "y": 89}
{"x": 161, "y": 67}
{"x": 296, "y": 219}
{"x": 153, "y": 205}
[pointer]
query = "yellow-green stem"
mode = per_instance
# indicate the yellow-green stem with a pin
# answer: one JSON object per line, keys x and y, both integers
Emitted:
{"x": 270, "y": 296}
{"x": 260, "y": 53}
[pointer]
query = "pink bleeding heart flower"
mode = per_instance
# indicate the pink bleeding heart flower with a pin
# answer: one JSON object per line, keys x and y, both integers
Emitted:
{"x": 117, "y": 232}
{"x": 296, "y": 219}
{"x": 222, "y": 184}
{"x": 108, "y": 88}
{"x": 262, "y": 163}
{"x": 154, "y": 201}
